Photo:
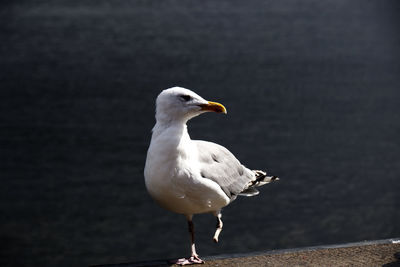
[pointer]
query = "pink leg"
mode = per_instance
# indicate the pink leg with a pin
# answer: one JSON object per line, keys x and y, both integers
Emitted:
{"x": 219, "y": 227}
{"x": 194, "y": 258}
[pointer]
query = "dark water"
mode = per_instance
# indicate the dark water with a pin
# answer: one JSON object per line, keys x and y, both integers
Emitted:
{"x": 312, "y": 92}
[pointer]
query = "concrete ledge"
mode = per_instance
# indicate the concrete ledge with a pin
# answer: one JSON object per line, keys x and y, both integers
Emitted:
{"x": 368, "y": 253}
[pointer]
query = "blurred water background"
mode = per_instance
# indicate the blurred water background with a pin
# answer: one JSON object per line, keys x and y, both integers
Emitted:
{"x": 312, "y": 93}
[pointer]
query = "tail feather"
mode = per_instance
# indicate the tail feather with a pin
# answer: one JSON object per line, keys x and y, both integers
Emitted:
{"x": 249, "y": 192}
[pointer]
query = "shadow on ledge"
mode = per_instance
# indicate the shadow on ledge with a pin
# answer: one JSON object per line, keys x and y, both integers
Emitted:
{"x": 395, "y": 263}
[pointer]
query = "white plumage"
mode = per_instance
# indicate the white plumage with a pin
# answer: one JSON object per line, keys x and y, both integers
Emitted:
{"x": 189, "y": 176}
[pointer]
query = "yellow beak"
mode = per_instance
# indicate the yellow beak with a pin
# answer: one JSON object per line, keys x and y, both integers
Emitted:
{"x": 213, "y": 106}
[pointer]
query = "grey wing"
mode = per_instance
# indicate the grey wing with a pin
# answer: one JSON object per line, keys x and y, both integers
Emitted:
{"x": 219, "y": 165}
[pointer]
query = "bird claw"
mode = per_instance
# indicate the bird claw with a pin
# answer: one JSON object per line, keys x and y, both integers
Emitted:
{"x": 189, "y": 261}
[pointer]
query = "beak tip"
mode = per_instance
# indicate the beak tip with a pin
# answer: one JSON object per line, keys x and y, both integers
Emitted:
{"x": 214, "y": 106}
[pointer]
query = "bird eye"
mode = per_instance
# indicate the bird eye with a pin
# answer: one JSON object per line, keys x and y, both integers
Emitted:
{"x": 185, "y": 97}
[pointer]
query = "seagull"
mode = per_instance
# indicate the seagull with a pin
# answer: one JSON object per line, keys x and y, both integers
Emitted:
{"x": 189, "y": 176}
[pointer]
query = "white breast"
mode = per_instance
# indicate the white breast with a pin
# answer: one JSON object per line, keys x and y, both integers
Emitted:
{"x": 173, "y": 178}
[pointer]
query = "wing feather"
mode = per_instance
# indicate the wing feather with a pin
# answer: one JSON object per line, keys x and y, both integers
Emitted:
{"x": 219, "y": 165}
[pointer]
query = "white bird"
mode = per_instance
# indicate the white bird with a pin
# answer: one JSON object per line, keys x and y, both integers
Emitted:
{"x": 191, "y": 176}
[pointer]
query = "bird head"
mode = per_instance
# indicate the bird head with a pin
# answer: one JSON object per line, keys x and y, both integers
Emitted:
{"x": 180, "y": 104}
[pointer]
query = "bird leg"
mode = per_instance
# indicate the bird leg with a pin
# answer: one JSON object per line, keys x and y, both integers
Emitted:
{"x": 194, "y": 258}
{"x": 219, "y": 227}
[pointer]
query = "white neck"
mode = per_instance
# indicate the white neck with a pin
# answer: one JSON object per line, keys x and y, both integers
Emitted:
{"x": 179, "y": 129}
{"x": 171, "y": 138}
{"x": 169, "y": 143}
